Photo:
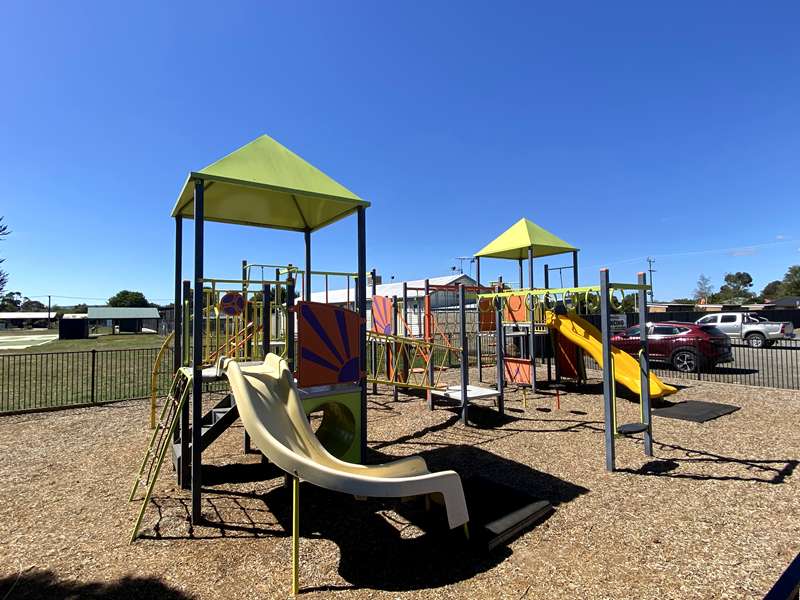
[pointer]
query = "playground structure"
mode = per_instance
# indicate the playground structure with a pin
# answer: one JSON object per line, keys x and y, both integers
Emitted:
{"x": 257, "y": 336}
{"x": 254, "y": 335}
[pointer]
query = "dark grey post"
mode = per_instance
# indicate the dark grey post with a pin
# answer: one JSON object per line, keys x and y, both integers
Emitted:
{"x": 290, "y": 321}
{"x": 278, "y": 301}
{"x": 373, "y": 349}
{"x": 307, "y": 286}
{"x": 462, "y": 312}
{"x": 575, "y": 268}
{"x": 197, "y": 355}
{"x": 361, "y": 292}
{"x": 431, "y": 359}
{"x": 644, "y": 363}
{"x": 608, "y": 379}
{"x": 532, "y": 314}
{"x": 178, "y": 314}
{"x": 499, "y": 347}
{"x": 395, "y": 358}
{"x": 184, "y": 474}
{"x": 521, "y": 279}
{"x": 248, "y": 344}
{"x": 478, "y": 308}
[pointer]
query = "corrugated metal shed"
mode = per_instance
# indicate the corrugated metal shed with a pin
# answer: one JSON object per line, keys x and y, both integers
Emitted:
{"x": 101, "y": 313}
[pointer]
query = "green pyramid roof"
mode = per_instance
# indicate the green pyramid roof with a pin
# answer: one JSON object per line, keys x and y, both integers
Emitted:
{"x": 514, "y": 242}
{"x": 265, "y": 184}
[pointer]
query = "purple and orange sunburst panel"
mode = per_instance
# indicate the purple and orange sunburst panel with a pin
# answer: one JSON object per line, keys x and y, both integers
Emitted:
{"x": 327, "y": 338}
{"x": 382, "y": 314}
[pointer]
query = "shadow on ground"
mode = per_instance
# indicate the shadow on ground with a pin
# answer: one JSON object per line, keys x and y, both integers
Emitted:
{"x": 45, "y": 585}
{"x": 399, "y": 545}
{"x": 751, "y": 470}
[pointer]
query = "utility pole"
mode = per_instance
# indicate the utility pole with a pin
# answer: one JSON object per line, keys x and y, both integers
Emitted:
{"x": 48, "y": 311}
{"x": 461, "y": 260}
{"x": 651, "y": 270}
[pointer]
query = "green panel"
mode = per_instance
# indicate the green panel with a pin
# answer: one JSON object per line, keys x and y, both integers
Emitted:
{"x": 339, "y": 431}
{"x": 267, "y": 185}
{"x": 514, "y": 242}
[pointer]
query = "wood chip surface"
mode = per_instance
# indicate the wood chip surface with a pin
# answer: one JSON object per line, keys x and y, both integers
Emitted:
{"x": 714, "y": 514}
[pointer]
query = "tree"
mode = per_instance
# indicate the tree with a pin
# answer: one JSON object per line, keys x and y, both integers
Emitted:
{"x": 791, "y": 282}
{"x": 3, "y": 275}
{"x": 736, "y": 288}
{"x": 704, "y": 289}
{"x": 32, "y": 305}
{"x": 11, "y": 302}
{"x": 772, "y": 290}
{"x": 128, "y": 298}
{"x": 80, "y": 309}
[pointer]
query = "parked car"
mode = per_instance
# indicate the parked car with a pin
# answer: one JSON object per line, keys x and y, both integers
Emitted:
{"x": 756, "y": 331}
{"x": 686, "y": 346}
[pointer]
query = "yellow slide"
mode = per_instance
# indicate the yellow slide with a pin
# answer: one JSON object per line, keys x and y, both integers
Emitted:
{"x": 587, "y": 336}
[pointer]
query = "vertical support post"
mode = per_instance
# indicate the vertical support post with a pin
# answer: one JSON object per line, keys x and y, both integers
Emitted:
{"x": 295, "y": 535}
{"x": 608, "y": 370}
{"x": 177, "y": 341}
{"x": 373, "y": 349}
{"x": 551, "y": 335}
{"x": 521, "y": 279}
{"x": 462, "y": 313}
{"x": 395, "y": 362}
{"x": 575, "y": 268}
{"x": 500, "y": 348}
{"x": 307, "y": 284}
{"x": 326, "y": 288}
{"x": 184, "y": 467}
{"x": 266, "y": 319}
{"x": 532, "y": 315}
{"x": 290, "y": 321}
{"x": 644, "y": 365}
{"x": 478, "y": 308}
{"x": 406, "y": 332}
{"x": 361, "y": 292}
{"x": 429, "y": 338}
{"x": 197, "y": 355}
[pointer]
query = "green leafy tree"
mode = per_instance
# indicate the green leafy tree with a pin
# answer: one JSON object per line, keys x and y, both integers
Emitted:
{"x": 127, "y": 298}
{"x": 3, "y": 275}
{"x": 736, "y": 288}
{"x": 11, "y": 302}
{"x": 791, "y": 282}
{"x": 772, "y": 290}
{"x": 32, "y": 305}
{"x": 80, "y": 309}
{"x": 689, "y": 301}
{"x": 704, "y": 289}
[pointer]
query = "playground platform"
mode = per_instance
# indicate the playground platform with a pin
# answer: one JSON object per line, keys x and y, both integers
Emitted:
{"x": 714, "y": 514}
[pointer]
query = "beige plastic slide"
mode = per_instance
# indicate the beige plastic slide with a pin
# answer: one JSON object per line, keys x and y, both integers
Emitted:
{"x": 588, "y": 337}
{"x": 271, "y": 411}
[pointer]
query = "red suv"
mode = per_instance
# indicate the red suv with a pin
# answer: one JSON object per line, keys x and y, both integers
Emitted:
{"x": 686, "y": 346}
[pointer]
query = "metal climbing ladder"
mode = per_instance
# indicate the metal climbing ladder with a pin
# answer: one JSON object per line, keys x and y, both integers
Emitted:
{"x": 160, "y": 441}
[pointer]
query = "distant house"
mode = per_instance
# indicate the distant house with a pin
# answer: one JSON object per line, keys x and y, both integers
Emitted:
{"x": 440, "y": 299}
{"x": 124, "y": 319}
{"x": 25, "y": 319}
{"x": 787, "y": 302}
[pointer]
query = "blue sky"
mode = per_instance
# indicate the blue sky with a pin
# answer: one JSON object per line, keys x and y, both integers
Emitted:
{"x": 629, "y": 129}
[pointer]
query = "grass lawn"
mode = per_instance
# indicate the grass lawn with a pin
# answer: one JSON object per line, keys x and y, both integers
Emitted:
{"x": 122, "y": 341}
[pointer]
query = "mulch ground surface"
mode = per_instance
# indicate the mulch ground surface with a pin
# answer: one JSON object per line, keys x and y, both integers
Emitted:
{"x": 714, "y": 514}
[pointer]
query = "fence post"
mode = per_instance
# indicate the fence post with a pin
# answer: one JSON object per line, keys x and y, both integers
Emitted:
{"x": 94, "y": 361}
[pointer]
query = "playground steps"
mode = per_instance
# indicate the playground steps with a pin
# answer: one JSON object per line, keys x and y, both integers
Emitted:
{"x": 159, "y": 442}
{"x": 213, "y": 425}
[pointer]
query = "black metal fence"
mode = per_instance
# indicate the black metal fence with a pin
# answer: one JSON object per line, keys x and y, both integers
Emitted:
{"x": 57, "y": 379}
{"x": 777, "y": 366}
